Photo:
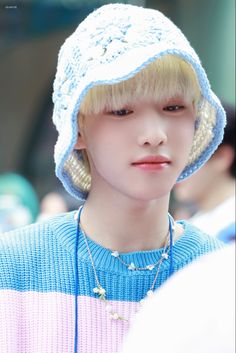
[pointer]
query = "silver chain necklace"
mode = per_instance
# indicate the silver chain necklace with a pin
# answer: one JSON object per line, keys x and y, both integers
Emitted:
{"x": 101, "y": 292}
{"x": 150, "y": 267}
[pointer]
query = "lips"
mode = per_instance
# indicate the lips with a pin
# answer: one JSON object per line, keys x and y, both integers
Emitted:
{"x": 152, "y": 162}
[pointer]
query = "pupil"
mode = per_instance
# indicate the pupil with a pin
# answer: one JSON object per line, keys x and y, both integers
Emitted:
{"x": 120, "y": 112}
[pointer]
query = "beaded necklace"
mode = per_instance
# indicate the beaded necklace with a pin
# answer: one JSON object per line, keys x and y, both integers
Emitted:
{"x": 101, "y": 293}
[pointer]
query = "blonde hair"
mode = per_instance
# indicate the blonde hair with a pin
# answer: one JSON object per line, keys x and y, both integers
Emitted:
{"x": 168, "y": 76}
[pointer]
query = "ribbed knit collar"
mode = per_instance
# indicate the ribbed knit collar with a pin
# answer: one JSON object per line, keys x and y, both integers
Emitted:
{"x": 65, "y": 226}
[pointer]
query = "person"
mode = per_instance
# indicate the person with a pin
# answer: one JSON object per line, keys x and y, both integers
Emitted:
{"x": 19, "y": 204}
{"x": 51, "y": 204}
{"x": 212, "y": 188}
{"x": 204, "y": 319}
{"x": 134, "y": 113}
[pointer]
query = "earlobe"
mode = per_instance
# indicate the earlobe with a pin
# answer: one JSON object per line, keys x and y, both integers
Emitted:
{"x": 80, "y": 144}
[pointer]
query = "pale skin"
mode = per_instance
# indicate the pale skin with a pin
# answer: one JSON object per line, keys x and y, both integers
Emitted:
{"x": 127, "y": 206}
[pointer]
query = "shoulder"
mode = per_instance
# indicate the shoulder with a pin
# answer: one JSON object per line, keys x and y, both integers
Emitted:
{"x": 194, "y": 243}
{"x": 29, "y": 235}
{"x": 195, "y": 237}
{"x": 30, "y": 248}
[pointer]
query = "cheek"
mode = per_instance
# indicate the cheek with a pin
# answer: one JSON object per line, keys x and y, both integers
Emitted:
{"x": 188, "y": 132}
{"x": 183, "y": 135}
{"x": 103, "y": 147}
{"x": 188, "y": 127}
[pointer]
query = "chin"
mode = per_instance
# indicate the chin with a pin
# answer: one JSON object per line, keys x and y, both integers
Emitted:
{"x": 150, "y": 195}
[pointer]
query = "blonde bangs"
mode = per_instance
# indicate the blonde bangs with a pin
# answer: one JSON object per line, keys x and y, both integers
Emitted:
{"x": 169, "y": 76}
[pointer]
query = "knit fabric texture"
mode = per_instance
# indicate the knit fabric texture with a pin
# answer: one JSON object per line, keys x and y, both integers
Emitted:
{"x": 111, "y": 45}
{"x": 37, "y": 287}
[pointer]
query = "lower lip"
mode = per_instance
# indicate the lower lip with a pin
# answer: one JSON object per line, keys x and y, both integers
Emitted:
{"x": 151, "y": 166}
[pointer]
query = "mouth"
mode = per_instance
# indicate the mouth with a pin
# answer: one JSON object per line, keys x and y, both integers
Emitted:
{"x": 152, "y": 163}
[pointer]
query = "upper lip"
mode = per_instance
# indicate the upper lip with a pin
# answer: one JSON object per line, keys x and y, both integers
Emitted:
{"x": 152, "y": 159}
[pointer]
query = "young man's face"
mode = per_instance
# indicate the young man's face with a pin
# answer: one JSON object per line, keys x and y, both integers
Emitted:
{"x": 140, "y": 150}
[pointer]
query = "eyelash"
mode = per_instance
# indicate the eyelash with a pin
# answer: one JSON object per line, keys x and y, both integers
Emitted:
{"x": 173, "y": 108}
{"x": 121, "y": 112}
{"x": 125, "y": 112}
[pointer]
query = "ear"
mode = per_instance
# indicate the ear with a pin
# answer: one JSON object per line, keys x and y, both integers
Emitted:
{"x": 80, "y": 144}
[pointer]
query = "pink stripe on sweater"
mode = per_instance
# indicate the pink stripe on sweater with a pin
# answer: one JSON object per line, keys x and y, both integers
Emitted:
{"x": 32, "y": 322}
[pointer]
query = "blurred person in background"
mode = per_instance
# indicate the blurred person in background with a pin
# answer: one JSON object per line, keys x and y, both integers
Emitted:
{"x": 193, "y": 312}
{"x": 56, "y": 202}
{"x": 51, "y": 204}
{"x": 208, "y": 197}
{"x": 19, "y": 203}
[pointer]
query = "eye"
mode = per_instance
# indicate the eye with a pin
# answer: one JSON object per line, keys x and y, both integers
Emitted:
{"x": 121, "y": 112}
{"x": 173, "y": 108}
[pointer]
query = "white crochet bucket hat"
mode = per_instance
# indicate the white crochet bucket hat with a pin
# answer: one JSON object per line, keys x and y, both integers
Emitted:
{"x": 111, "y": 45}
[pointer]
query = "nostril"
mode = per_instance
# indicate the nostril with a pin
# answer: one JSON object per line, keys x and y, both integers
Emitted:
{"x": 153, "y": 141}
{"x": 152, "y": 135}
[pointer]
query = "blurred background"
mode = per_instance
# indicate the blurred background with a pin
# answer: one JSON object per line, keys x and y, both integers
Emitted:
{"x": 31, "y": 33}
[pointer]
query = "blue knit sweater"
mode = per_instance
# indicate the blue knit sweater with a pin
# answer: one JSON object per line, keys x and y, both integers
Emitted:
{"x": 38, "y": 281}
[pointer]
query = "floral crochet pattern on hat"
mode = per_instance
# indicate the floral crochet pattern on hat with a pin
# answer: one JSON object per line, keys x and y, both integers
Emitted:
{"x": 111, "y": 45}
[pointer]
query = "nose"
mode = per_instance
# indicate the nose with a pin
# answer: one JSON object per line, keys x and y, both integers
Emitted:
{"x": 152, "y": 130}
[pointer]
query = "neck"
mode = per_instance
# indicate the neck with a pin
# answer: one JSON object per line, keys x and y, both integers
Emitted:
{"x": 217, "y": 195}
{"x": 126, "y": 226}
